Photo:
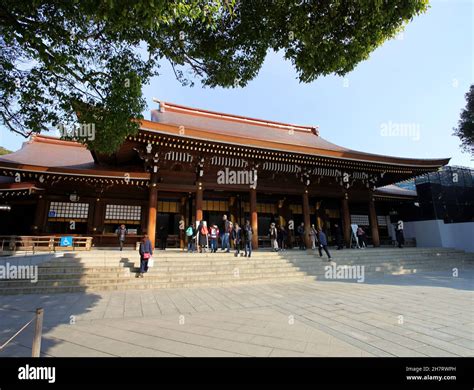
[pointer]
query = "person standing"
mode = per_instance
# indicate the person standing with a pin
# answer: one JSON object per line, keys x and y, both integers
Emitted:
{"x": 300, "y": 232}
{"x": 146, "y": 251}
{"x": 312, "y": 235}
{"x": 237, "y": 238}
{"x": 248, "y": 234}
{"x": 227, "y": 229}
{"x": 273, "y": 232}
{"x": 214, "y": 233}
{"x": 121, "y": 235}
{"x": 282, "y": 236}
{"x": 203, "y": 236}
{"x": 338, "y": 236}
{"x": 191, "y": 236}
{"x": 400, "y": 235}
{"x": 323, "y": 244}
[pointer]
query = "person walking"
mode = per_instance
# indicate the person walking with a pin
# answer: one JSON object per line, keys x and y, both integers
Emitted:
{"x": 339, "y": 240}
{"x": 248, "y": 235}
{"x": 300, "y": 232}
{"x": 323, "y": 244}
{"x": 191, "y": 236}
{"x": 145, "y": 251}
{"x": 399, "y": 234}
{"x": 312, "y": 234}
{"x": 273, "y": 233}
{"x": 237, "y": 238}
{"x": 121, "y": 233}
{"x": 214, "y": 234}
{"x": 361, "y": 237}
{"x": 227, "y": 229}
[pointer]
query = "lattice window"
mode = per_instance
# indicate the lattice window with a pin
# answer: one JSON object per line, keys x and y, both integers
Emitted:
{"x": 382, "y": 220}
{"x": 268, "y": 208}
{"x": 361, "y": 220}
{"x": 122, "y": 212}
{"x": 68, "y": 210}
{"x": 215, "y": 205}
{"x": 296, "y": 208}
{"x": 168, "y": 206}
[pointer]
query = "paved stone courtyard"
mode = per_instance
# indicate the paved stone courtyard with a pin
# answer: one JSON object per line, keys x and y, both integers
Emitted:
{"x": 429, "y": 314}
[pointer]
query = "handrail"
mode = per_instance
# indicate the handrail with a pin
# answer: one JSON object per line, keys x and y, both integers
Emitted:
{"x": 38, "y": 243}
{"x": 36, "y": 346}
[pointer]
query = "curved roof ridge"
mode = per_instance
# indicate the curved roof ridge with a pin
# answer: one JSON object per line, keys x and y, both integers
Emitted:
{"x": 164, "y": 106}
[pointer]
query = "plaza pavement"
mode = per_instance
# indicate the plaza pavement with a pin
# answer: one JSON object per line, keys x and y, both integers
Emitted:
{"x": 429, "y": 314}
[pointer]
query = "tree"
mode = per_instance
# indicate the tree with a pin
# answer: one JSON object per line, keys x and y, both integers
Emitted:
{"x": 465, "y": 129}
{"x": 89, "y": 57}
{"x": 4, "y": 151}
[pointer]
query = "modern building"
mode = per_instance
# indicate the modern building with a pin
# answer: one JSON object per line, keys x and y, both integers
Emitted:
{"x": 188, "y": 164}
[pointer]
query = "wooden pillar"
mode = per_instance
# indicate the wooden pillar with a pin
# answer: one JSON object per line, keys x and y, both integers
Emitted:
{"x": 90, "y": 217}
{"x": 254, "y": 217}
{"x": 40, "y": 215}
{"x": 152, "y": 207}
{"x": 199, "y": 191}
{"x": 374, "y": 226}
{"x": 307, "y": 220}
{"x": 346, "y": 220}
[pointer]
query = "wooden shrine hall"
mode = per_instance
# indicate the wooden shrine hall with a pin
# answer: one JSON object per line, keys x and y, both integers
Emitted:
{"x": 188, "y": 164}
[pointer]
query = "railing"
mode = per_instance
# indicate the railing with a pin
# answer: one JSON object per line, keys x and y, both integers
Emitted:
{"x": 12, "y": 244}
{"x": 36, "y": 346}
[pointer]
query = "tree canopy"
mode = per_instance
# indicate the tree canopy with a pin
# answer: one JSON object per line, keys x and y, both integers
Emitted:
{"x": 465, "y": 129}
{"x": 61, "y": 58}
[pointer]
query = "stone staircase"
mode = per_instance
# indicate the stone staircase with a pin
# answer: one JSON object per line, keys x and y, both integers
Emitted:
{"x": 101, "y": 270}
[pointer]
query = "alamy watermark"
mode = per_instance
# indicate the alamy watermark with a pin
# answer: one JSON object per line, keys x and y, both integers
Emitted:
{"x": 230, "y": 176}
{"x": 77, "y": 131}
{"x": 15, "y": 272}
{"x": 401, "y": 129}
{"x": 347, "y": 272}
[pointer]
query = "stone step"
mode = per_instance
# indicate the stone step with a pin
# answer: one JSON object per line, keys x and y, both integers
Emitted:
{"x": 181, "y": 255}
{"x": 101, "y": 278}
{"x": 132, "y": 286}
{"x": 259, "y": 263}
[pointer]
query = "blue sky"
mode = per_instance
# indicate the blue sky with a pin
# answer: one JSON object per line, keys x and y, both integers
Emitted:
{"x": 416, "y": 82}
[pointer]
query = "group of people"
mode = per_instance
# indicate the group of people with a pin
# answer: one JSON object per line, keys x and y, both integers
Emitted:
{"x": 205, "y": 238}
{"x": 279, "y": 236}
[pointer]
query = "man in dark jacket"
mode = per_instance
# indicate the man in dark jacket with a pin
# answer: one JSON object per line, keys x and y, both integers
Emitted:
{"x": 121, "y": 235}
{"x": 248, "y": 234}
{"x": 323, "y": 244}
{"x": 300, "y": 232}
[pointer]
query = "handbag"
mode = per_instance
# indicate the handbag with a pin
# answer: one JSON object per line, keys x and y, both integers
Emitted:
{"x": 146, "y": 255}
{"x": 150, "y": 262}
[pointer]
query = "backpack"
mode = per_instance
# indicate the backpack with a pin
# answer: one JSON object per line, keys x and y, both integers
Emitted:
{"x": 189, "y": 231}
{"x": 204, "y": 230}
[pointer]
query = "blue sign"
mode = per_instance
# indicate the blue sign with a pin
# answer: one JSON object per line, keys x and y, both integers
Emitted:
{"x": 65, "y": 241}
